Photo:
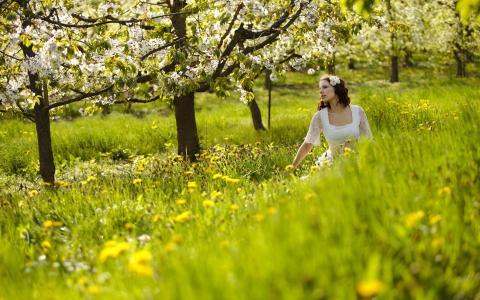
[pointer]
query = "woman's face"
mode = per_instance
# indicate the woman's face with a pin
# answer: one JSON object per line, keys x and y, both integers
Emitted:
{"x": 327, "y": 92}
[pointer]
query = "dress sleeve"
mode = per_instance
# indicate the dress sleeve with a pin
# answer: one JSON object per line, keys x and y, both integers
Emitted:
{"x": 364, "y": 127}
{"x": 313, "y": 134}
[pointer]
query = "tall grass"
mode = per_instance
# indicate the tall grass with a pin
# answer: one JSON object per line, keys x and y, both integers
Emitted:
{"x": 396, "y": 219}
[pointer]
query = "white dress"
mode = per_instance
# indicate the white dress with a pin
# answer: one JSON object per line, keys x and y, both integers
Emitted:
{"x": 338, "y": 137}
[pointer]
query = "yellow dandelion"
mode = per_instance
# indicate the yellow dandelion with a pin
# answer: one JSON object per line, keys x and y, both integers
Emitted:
{"x": 231, "y": 180}
{"x": 208, "y": 203}
{"x": 272, "y": 210}
{"x": 217, "y": 176}
{"x": 156, "y": 218}
{"x": 83, "y": 182}
{"x": 259, "y": 217}
{"x": 180, "y": 201}
{"x": 368, "y": 289}
{"x": 137, "y": 181}
{"x": 183, "y": 217}
{"x": 215, "y": 194}
{"x": 129, "y": 226}
{"x": 191, "y": 186}
{"x": 444, "y": 191}
{"x": 413, "y": 218}
{"x": 170, "y": 247}
{"x": 234, "y": 207}
{"x": 46, "y": 245}
{"x": 188, "y": 173}
{"x": 113, "y": 249}
{"x": 434, "y": 219}
{"x": 93, "y": 290}
{"x": 437, "y": 242}
{"x": 289, "y": 167}
{"x": 91, "y": 178}
{"x": 33, "y": 193}
{"x": 49, "y": 224}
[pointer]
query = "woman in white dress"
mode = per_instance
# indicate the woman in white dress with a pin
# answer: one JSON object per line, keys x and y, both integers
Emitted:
{"x": 340, "y": 122}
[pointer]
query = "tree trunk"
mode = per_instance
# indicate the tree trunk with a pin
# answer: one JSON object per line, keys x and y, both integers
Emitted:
{"x": 394, "y": 69}
{"x": 331, "y": 65}
{"x": 407, "y": 60}
{"x": 256, "y": 115}
{"x": 461, "y": 65}
{"x": 45, "y": 152}
{"x": 187, "y": 136}
{"x": 351, "y": 64}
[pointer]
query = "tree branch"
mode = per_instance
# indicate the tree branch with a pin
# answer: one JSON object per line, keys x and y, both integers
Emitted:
{"x": 230, "y": 26}
{"x": 136, "y": 100}
{"x": 162, "y": 47}
{"x": 80, "y": 97}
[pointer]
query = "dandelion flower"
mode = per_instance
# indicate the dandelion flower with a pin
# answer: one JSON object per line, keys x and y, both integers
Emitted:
{"x": 368, "y": 289}
{"x": 113, "y": 249}
{"x": 180, "y": 201}
{"x": 183, "y": 217}
{"x": 434, "y": 219}
{"x": 33, "y": 193}
{"x": 259, "y": 217}
{"x": 208, "y": 203}
{"x": 413, "y": 218}
{"x": 139, "y": 263}
{"x": 46, "y": 245}
{"x": 137, "y": 181}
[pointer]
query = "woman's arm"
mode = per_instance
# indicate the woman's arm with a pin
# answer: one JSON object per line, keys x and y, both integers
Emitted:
{"x": 304, "y": 149}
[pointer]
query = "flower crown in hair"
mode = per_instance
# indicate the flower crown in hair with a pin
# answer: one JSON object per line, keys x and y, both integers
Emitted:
{"x": 334, "y": 80}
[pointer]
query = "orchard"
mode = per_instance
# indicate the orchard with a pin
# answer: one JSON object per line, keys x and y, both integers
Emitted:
{"x": 146, "y": 150}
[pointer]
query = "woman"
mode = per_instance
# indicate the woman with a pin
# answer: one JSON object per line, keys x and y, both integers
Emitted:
{"x": 340, "y": 122}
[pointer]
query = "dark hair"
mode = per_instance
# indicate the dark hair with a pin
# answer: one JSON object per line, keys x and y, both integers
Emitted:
{"x": 340, "y": 90}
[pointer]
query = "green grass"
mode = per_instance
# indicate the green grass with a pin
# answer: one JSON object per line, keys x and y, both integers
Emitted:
{"x": 401, "y": 214}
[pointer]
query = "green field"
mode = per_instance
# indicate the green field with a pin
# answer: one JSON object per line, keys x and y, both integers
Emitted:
{"x": 397, "y": 219}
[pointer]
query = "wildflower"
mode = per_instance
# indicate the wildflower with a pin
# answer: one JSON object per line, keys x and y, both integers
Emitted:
{"x": 289, "y": 167}
{"x": 137, "y": 181}
{"x": 208, "y": 204}
{"x": 46, "y": 245}
{"x": 444, "y": 191}
{"x": 32, "y": 193}
{"x": 93, "y": 290}
{"x": 91, "y": 178}
{"x": 156, "y": 218}
{"x": 272, "y": 210}
{"x": 234, "y": 207}
{"x": 83, "y": 182}
{"x": 170, "y": 247}
{"x": 49, "y": 224}
{"x": 259, "y": 217}
{"x": 413, "y": 218}
{"x": 368, "y": 289}
{"x": 180, "y": 201}
{"x": 188, "y": 173}
{"x": 129, "y": 226}
{"x": 61, "y": 183}
{"x": 143, "y": 238}
{"x": 139, "y": 263}
{"x": 231, "y": 180}
{"x": 113, "y": 249}
{"x": 437, "y": 242}
{"x": 216, "y": 176}
{"x": 434, "y": 219}
{"x": 347, "y": 151}
{"x": 183, "y": 217}
{"x": 191, "y": 186}
{"x": 215, "y": 194}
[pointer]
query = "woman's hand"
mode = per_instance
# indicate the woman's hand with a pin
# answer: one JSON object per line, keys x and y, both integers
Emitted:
{"x": 288, "y": 170}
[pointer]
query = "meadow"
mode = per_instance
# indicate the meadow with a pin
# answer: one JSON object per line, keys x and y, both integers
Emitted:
{"x": 399, "y": 218}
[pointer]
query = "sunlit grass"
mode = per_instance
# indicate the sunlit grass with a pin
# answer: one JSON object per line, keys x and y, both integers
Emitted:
{"x": 128, "y": 219}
